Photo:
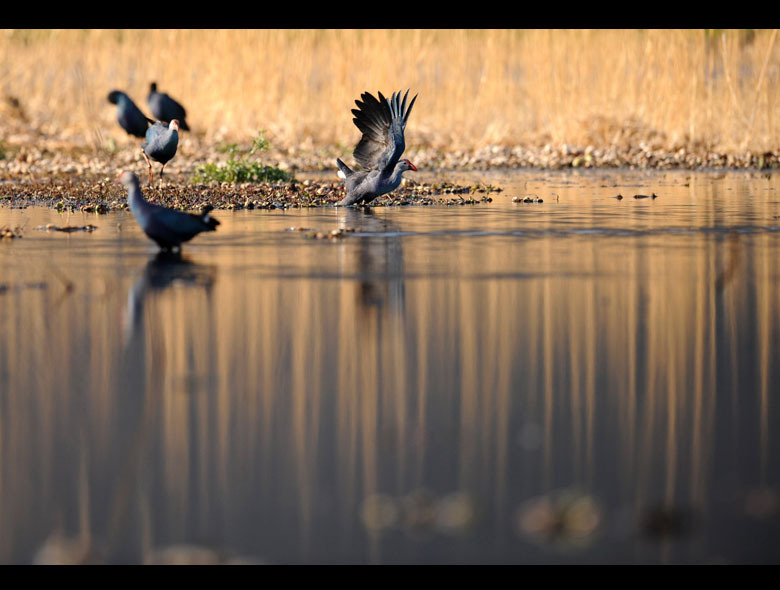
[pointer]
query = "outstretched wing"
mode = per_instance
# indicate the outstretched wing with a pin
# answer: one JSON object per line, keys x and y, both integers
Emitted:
{"x": 382, "y": 123}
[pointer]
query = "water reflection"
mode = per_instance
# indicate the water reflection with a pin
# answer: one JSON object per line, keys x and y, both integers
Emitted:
{"x": 146, "y": 379}
{"x": 161, "y": 272}
{"x": 377, "y": 260}
{"x": 441, "y": 386}
{"x": 723, "y": 278}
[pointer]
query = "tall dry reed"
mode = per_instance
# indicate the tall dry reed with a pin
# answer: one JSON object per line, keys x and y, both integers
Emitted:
{"x": 477, "y": 87}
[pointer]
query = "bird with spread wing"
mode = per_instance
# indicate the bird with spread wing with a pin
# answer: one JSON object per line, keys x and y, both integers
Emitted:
{"x": 382, "y": 122}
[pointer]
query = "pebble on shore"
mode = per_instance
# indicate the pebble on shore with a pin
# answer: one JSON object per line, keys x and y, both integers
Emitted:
{"x": 78, "y": 177}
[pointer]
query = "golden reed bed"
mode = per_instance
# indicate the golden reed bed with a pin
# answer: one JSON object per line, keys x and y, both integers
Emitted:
{"x": 717, "y": 89}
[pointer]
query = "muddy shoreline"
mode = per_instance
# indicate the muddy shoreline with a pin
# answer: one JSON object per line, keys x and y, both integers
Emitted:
{"x": 76, "y": 177}
{"x": 102, "y": 195}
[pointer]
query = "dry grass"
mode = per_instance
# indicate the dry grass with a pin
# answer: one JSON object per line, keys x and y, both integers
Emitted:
{"x": 480, "y": 87}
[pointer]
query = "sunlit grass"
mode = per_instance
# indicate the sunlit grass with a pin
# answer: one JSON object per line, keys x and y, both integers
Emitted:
{"x": 242, "y": 167}
{"x": 477, "y": 87}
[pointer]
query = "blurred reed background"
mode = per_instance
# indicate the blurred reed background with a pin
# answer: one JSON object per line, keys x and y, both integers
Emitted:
{"x": 673, "y": 88}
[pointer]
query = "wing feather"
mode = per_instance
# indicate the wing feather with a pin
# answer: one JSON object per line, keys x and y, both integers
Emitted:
{"x": 382, "y": 122}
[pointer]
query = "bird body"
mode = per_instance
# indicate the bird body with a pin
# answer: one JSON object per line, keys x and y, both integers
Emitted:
{"x": 382, "y": 122}
{"x": 168, "y": 227}
{"x": 128, "y": 114}
{"x": 165, "y": 108}
{"x": 363, "y": 186}
{"x": 160, "y": 145}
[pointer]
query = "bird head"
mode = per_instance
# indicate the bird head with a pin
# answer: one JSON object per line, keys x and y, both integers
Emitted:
{"x": 126, "y": 177}
{"x": 407, "y": 165}
{"x": 153, "y": 87}
{"x": 174, "y": 124}
{"x": 113, "y": 96}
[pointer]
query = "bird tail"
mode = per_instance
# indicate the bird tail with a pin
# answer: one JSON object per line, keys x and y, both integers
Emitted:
{"x": 344, "y": 170}
{"x": 208, "y": 219}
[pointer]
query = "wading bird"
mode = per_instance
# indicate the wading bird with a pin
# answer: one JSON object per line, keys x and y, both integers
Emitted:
{"x": 165, "y": 108}
{"x": 168, "y": 227}
{"x": 160, "y": 145}
{"x": 129, "y": 116}
{"x": 379, "y": 151}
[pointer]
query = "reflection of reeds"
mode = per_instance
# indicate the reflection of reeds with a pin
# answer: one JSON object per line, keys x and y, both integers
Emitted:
{"x": 282, "y": 404}
{"x": 475, "y": 86}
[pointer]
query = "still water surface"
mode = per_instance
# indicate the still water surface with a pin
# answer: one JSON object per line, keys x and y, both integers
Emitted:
{"x": 583, "y": 380}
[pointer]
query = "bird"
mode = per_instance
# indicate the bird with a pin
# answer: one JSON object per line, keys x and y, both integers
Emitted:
{"x": 128, "y": 114}
{"x": 168, "y": 227}
{"x": 160, "y": 145}
{"x": 382, "y": 122}
{"x": 165, "y": 108}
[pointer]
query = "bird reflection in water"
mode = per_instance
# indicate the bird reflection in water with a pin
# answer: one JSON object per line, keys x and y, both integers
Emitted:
{"x": 145, "y": 376}
{"x": 727, "y": 275}
{"x": 162, "y": 271}
{"x": 379, "y": 259}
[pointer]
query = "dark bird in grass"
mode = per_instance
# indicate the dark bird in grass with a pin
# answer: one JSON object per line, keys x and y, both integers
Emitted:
{"x": 165, "y": 108}
{"x": 168, "y": 227}
{"x": 129, "y": 116}
{"x": 379, "y": 151}
{"x": 160, "y": 145}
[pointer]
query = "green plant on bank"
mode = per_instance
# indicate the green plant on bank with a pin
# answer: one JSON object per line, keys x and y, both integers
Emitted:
{"x": 240, "y": 168}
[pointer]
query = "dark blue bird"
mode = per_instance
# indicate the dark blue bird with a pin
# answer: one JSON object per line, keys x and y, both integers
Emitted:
{"x": 165, "y": 108}
{"x": 382, "y": 122}
{"x": 129, "y": 116}
{"x": 168, "y": 227}
{"x": 160, "y": 145}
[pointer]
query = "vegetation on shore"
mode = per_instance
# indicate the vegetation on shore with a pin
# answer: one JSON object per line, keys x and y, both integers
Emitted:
{"x": 240, "y": 167}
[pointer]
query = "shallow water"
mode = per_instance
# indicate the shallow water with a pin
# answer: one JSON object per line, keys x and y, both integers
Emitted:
{"x": 583, "y": 380}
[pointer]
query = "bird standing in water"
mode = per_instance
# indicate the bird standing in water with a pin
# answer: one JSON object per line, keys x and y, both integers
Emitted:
{"x": 168, "y": 227}
{"x": 165, "y": 108}
{"x": 160, "y": 145}
{"x": 379, "y": 151}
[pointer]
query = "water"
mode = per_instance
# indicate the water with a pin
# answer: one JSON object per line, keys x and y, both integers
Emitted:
{"x": 583, "y": 380}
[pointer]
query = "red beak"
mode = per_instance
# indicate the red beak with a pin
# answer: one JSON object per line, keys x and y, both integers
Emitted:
{"x": 412, "y": 166}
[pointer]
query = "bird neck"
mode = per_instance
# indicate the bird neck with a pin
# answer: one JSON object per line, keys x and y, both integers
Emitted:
{"x": 395, "y": 175}
{"x": 134, "y": 196}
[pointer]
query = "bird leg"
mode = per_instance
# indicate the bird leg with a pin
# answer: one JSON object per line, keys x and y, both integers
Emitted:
{"x": 161, "y": 173}
{"x": 151, "y": 175}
